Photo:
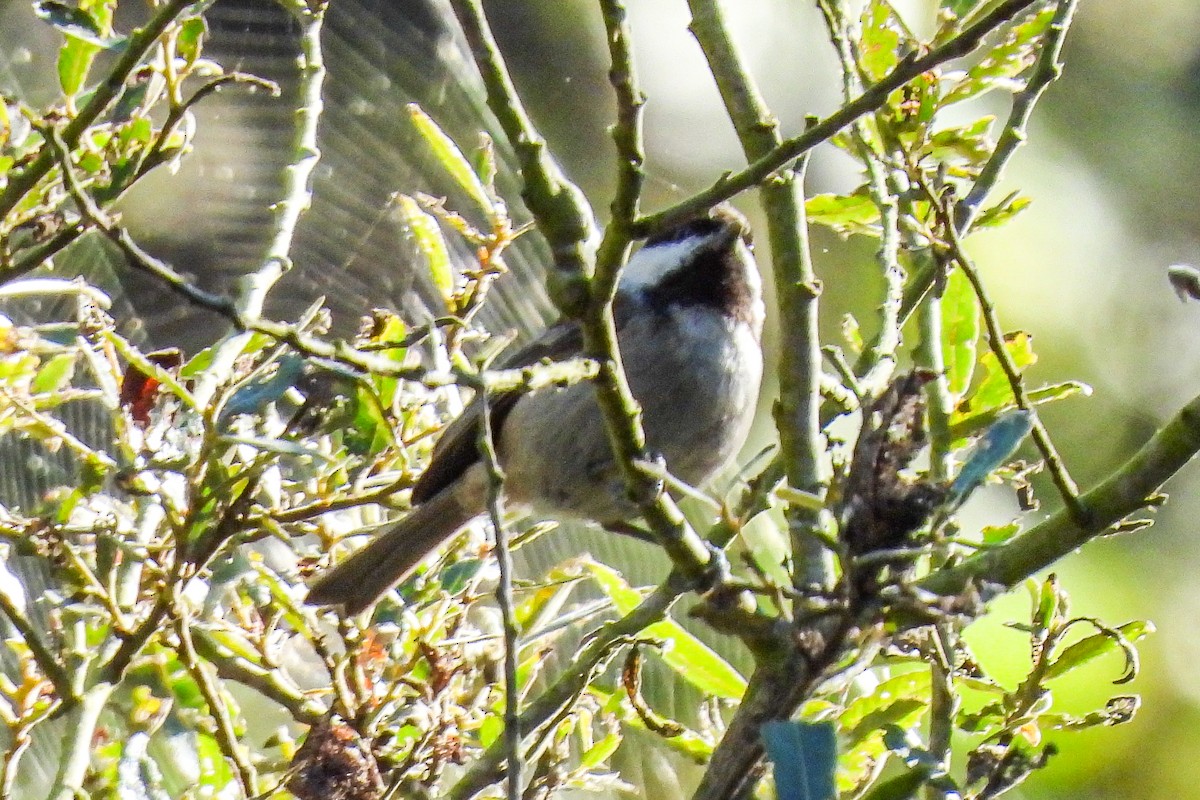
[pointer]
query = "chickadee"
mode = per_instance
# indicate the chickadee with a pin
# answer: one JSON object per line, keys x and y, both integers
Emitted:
{"x": 689, "y": 316}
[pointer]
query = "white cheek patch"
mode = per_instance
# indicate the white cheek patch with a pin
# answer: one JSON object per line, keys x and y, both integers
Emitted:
{"x": 648, "y": 266}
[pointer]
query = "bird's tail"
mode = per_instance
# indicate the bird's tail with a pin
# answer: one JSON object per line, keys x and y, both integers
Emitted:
{"x": 363, "y": 577}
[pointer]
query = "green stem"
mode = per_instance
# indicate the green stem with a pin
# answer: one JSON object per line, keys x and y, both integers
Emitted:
{"x": 873, "y": 98}
{"x": 297, "y": 195}
{"x": 135, "y": 52}
{"x": 80, "y": 732}
{"x": 1129, "y": 489}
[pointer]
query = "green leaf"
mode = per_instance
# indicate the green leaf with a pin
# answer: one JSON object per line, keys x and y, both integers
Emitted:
{"x": 999, "y": 534}
{"x": 970, "y": 143}
{"x": 960, "y": 332}
{"x": 971, "y": 424}
{"x": 687, "y": 655}
{"x": 455, "y": 577}
{"x": 959, "y": 8}
{"x": 77, "y": 24}
{"x": 852, "y": 333}
{"x": 846, "y": 214}
{"x": 902, "y": 787}
{"x": 1002, "y": 212}
{"x": 1096, "y": 645}
{"x": 880, "y": 46}
{"x": 899, "y": 701}
{"x": 190, "y": 41}
{"x": 1004, "y": 62}
{"x": 215, "y": 773}
{"x": 54, "y": 374}
{"x": 370, "y": 431}
{"x": 490, "y": 729}
{"x": 450, "y": 157}
{"x": 598, "y": 754}
{"x": 74, "y": 61}
{"x": 805, "y": 758}
{"x": 994, "y": 392}
{"x": 428, "y": 238}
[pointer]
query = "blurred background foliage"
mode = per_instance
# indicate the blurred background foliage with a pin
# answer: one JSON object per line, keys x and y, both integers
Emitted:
{"x": 1111, "y": 167}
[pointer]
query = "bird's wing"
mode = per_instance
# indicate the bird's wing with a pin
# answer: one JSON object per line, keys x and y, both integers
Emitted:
{"x": 458, "y": 448}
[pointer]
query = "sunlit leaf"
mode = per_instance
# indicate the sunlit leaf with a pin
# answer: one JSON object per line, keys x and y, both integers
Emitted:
{"x": 691, "y": 658}
{"x": 450, "y": 157}
{"x": 490, "y": 729}
{"x": 965, "y": 425}
{"x": 960, "y": 331}
{"x": 899, "y": 701}
{"x": 959, "y": 8}
{"x": 994, "y": 391}
{"x": 971, "y": 143}
{"x": 74, "y": 61}
{"x": 428, "y": 238}
{"x": 846, "y": 214}
{"x": 76, "y": 23}
{"x": 190, "y": 40}
{"x": 1004, "y": 62}
{"x": 999, "y": 534}
{"x": 1096, "y": 645}
{"x": 1002, "y": 212}
{"x": 880, "y": 46}
{"x": 598, "y": 754}
{"x": 54, "y": 373}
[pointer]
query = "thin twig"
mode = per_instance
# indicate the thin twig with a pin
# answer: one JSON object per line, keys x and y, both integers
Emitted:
{"x": 504, "y": 598}
{"x": 78, "y": 742}
{"x": 223, "y": 731}
{"x": 943, "y": 701}
{"x": 132, "y": 57}
{"x": 880, "y": 359}
{"x": 271, "y": 683}
{"x": 1047, "y": 70}
{"x": 562, "y": 213}
{"x": 564, "y": 218}
{"x": 47, "y": 662}
{"x": 873, "y": 98}
{"x": 1044, "y": 72}
{"x": 297, "y": 194}
{"x": 1129, "y": 489}
{"x": 1066, "y": 486}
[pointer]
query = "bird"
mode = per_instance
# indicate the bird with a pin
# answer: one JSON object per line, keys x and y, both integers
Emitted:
{"x": 689, "y": 315}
